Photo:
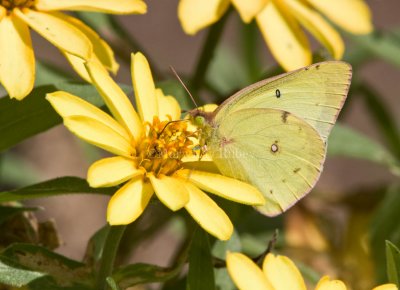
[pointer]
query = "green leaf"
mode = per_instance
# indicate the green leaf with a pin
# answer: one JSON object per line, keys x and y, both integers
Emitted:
{"x": 14, "y": 171}
{"x": 61, "y": 270}
{"x": 57, "y": 186}
{"x": 22, "y": 119}
{"x": 48, "y": 73}
{"x": 14, "y": 275}
{"x": 95, "y": 246}
{"x": 111, "y": 282}
{"x": 201, "y": 270}
{"x": 221, "y": 247}
{"x": 393, "y": 263}
{"x": 8, "y": 211}
{"x": 344, "y": 141}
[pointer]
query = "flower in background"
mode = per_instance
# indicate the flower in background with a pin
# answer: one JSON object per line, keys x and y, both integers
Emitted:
{"x": 277, "y": 273}
{"x": 280, "y": 23}
{"x": 74, "y": 39}
{"x": 153, "y": 152}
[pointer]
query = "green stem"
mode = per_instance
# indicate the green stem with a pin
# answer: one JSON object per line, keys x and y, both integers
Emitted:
{"x": 207, "y": 53}
{"x": 110, "y": 250}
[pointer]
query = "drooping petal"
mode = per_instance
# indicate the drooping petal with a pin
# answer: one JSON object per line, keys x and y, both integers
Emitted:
{"x": 112, "y": 171}
{"x": 98, "y": 134}
{"x": 145, "y": 90}
{"x": 352, "y": 15}
{"x": 102, "y": 51}
{"x": 223, "y": 186}
{"x": 167, "y": 105}
{"x": 318, "y": 26}
{"x": 207, "y": 213}
{"x": 58, "y": 31}
{"x": 245, "y": 273}
{"x": 170, "y": 191}
{"x": 249, "y": 9}
{"x": 326, "y": 284}
{"x": 284, "y": 37}
{"x": 68, "y": 105}
{"x": 115, "y": 99}
{"x": 129, "y": 202}
{"x": 17, "y": 61}
{"x": 105, "y": 6}
{"x": 282, "y": 273}
{"x": 386, "y": 287}
{"x": 195, "y": 15}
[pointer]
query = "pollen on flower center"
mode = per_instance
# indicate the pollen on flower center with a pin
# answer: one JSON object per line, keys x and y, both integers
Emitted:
{"x": 11, "y": 4}
{"x": 164, "y": 145}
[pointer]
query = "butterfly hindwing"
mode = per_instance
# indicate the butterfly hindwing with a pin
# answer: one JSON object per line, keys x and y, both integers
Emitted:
{"x": 273, "y": 150}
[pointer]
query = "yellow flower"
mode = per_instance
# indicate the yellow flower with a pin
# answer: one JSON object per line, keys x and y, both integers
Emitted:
{"x": 280, "y": 21}
{"x": 153, "y": 153}
{"x": 277, "y": 273}
{"x": 74, "y": 39}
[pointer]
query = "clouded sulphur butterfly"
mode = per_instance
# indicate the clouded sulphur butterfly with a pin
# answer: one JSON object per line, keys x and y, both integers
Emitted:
{"x": 273, "y": 133}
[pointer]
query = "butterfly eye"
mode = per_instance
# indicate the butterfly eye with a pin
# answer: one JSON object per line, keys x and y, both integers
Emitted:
{"x": 199, "y": 120}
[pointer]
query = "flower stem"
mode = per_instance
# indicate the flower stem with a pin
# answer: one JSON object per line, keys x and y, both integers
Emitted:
{"x": 207, "y": 53}
{"x": 110, "y": 249}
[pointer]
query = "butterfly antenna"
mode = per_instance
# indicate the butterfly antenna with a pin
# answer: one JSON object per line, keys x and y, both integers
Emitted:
{"x": 183, "y": 85}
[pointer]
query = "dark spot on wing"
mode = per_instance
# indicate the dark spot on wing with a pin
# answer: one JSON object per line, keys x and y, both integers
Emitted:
{"x": 296, "y": 170}
{"x": 306, "y": 68}
{"x": 284, "y": 180}
{"x": 270, "y": 191}
{"x": 278, "y": 93}
{"x": 284, "y": 116}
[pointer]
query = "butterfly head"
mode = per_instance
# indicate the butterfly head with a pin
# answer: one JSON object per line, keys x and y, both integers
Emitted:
{"x": 200, "y": 118}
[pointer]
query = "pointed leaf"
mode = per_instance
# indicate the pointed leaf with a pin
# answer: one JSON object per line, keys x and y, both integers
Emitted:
{"x": 393, "y": 263}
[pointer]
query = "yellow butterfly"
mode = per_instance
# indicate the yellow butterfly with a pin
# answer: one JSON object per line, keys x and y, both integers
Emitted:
{"x": 273, "y": 133}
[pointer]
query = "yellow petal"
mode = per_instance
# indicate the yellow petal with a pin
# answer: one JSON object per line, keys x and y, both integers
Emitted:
{"x": 143, "y": 84}
{"x": 115, "y": 99}
{"x": 170, "y": 191}
{"x": 68, "y": 105}
{"x": 317, "y": 25}
{"x": 105, "y": 6}
{"x": 167, "y": 105}
{"x": 326, "y": 284}
{"x": 283, "y": 273}
{"x": 207, "y": 213}
{"x": 3, "y": 12}
{"x": 386, "y": 287}
{"x": 245, "y": 273}
{"x": 129, "y": 202}
{"x": 101, "y": 49}
{"x": 98, "y": 134}
{"x": 352, "y": 15}
{"x": 59, "y": 32}
{"x": 283, "y": 35}
{"x": 195, "y": 15}
{"x": 17, "y": 61}
{"x": 112, "y": 171}
{"x": 249, "y": 9}
{"x": 223, "y": 186}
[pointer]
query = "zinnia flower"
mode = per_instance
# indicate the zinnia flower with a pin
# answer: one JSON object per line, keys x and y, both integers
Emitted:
{"x": 74, "y": 39}
{"x": 280, "y": 21}
{"x": 277, "y": 273}
{"x": 151, "y": 150}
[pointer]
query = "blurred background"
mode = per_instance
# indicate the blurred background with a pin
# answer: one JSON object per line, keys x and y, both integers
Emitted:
{"x": 327, "y": 231}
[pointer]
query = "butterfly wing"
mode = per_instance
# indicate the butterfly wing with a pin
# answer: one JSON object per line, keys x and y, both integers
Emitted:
{"x": 273, "y": 150}
{"x": 315, "y": 93}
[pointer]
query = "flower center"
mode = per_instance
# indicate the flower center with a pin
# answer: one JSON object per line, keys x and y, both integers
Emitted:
{"x": 11, "y": 4}
{"x": 160, "y": 151}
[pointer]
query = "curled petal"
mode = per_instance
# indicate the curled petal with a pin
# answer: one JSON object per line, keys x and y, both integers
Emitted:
{"x": 59, "y": 32}
{"x": 284, "y": 37}
{"x": 245, "y": 273}
{"x": 353, "y": 16}
{"x": 195, "y": 15}
{"x": 129, "y": 202}
{"x": 112, "y": 171}
{"x": 282, "y": 273}
{"x": 170, "y": 191}
{"x": 105, "y": 6}
{"x": 145, "y": 90}
{"x": 17, "y": 61}
{"x": 207, "y": 213}
{"x": 223, "y": 186}
{"x": 326, "y": 284}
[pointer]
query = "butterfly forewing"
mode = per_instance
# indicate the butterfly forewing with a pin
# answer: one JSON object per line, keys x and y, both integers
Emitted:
{"x": 315, "y": 93}
{"x": 273, "y": 150}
